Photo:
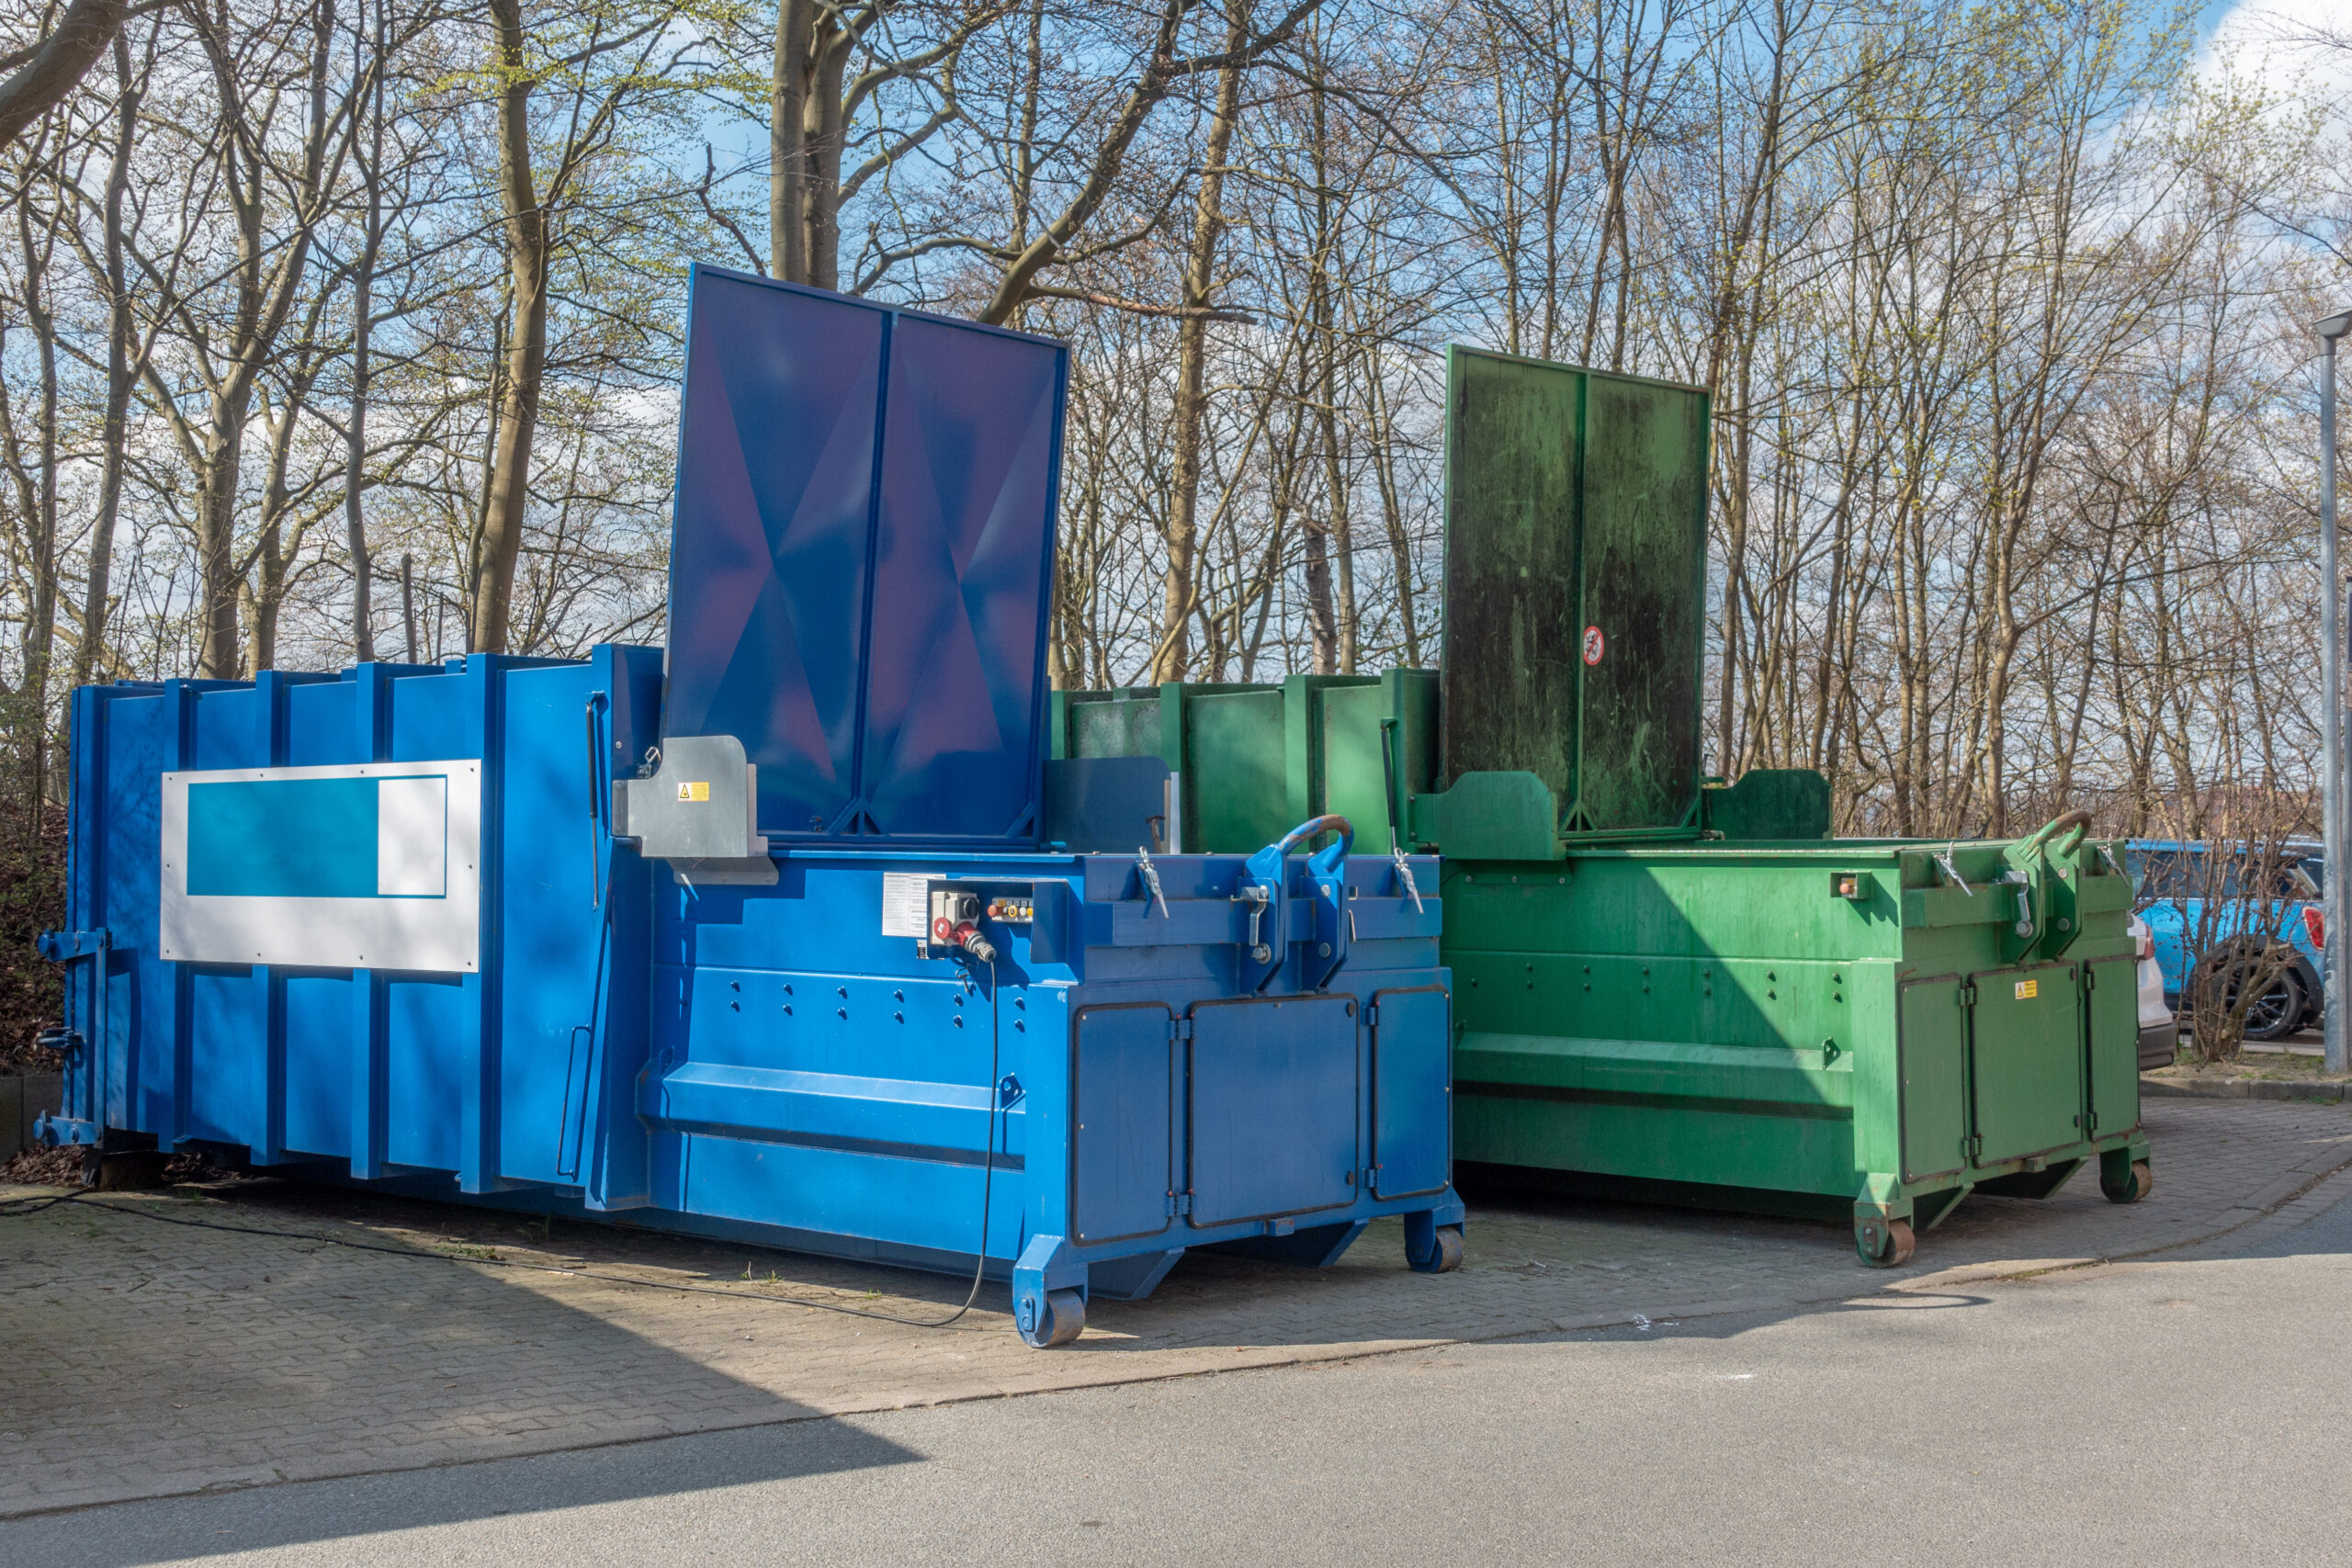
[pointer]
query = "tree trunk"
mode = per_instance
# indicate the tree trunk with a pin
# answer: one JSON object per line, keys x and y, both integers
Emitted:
{"x": 526, "y": 344}
{"x": 805, "y": 140}
{"x": 1182, "y": 592}
{"x": 96, "y": 611}
{"x": 788, "y": 156}
{"x": 57, "y": 66}
{"x": 354, "y": 525}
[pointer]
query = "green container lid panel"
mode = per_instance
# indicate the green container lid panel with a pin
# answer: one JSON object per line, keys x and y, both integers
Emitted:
{"x": 1233, "y": 762}
{"x": 1513, "y": 630}
{"x": 1112, "y": 724}
{"x": 1644, "y": 590}
{"x": 1575, "y": 586}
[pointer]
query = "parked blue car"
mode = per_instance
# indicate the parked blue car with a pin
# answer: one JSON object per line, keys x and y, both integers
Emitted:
{"x": 2173, "y": 880}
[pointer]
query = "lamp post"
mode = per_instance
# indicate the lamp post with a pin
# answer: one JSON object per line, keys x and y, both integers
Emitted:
{"x": 2338, "y": 959}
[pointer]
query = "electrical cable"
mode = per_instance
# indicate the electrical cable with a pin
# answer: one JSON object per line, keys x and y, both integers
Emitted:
{"x": 32, "y": 1206}
{"x": 20, "y": 1208}
{"x": 988, "y": 1166}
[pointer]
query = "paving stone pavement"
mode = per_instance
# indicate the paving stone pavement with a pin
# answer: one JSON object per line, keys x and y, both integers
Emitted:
{"x": 141, "y": 1359}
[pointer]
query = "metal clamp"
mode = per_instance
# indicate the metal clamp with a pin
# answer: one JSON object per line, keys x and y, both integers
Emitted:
{"x": 1943, "y": 863}
{"x": 1150, "y": 875}
{"x": 1257, "y": 898}
{"x": 2024, "y": 885}
{"x": 1404, "y": 876}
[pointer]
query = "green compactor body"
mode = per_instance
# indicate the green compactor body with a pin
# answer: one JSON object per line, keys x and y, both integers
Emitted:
{"x": 1664, "y": 987}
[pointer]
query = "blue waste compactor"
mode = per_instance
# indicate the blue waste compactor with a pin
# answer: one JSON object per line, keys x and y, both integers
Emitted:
{"x": 782, "y": 933}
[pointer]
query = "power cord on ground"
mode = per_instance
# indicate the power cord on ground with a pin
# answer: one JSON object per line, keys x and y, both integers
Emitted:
{"x": 22, "y": 1207}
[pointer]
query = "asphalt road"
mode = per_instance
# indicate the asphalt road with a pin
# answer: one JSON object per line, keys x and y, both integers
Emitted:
{"x": 2181, "y": 1412}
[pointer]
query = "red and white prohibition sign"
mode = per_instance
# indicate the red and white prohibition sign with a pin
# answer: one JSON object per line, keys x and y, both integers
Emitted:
{"x": 1595, "y": 645}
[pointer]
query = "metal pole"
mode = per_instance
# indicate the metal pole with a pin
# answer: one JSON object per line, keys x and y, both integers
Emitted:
{"x": 2338, "y": 956}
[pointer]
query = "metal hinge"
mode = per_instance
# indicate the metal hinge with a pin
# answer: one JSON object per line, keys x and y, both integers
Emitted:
{"x": 1971, "y": 1147}
{"x": 1371, "y": 1179}
{"x": 61, "y": 947}
{"x": 1179, "y": 1204}
{"x": 1372, "y": 1017}
{"x": 1179, "y": 1029}
{"x": 1968, "y": 993}
{"x": 2091, "y": 978}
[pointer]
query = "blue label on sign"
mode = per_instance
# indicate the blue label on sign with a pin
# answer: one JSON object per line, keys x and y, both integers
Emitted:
{"x": 348, "y": 838}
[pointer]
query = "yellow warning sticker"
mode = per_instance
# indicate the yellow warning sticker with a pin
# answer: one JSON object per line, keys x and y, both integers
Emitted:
{"x": 2028, "y": 989}
{"x": 692, "y": 792}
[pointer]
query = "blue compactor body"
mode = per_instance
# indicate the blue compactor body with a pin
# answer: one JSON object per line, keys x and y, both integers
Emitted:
{"x": 784, "y": 933}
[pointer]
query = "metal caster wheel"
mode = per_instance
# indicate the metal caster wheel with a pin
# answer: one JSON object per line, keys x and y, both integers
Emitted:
{"x": 1445, "y": 1256}
{"x": 1885, "y": 1244}
{"x": 2134, "y": 1186}
{"x": 1059, "y": 1320}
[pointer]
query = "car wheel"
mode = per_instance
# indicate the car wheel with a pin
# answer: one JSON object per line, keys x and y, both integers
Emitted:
{"x": 2276, "y": 1011}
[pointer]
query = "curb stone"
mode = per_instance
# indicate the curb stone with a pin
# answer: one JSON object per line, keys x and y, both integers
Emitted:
{"x": 2244, "y": 1089}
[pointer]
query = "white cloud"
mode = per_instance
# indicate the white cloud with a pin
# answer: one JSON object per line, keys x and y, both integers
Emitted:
{"x": 2276, "y": 42}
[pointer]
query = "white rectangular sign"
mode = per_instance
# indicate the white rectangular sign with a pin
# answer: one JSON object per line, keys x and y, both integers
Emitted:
{"x": 371, "y": 865}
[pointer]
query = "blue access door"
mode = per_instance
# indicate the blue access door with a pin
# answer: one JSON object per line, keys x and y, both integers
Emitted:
{"x": 1122, "y": 1100}
{"x": 1273, "y": 1101}
{"x": 1412, "y": 1124}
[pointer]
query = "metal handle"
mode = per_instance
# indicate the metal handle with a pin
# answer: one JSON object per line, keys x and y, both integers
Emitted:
{"x": 595, "y": 807}
{"x": 1388, "y": 732}
{"x": 1328, "y": 823}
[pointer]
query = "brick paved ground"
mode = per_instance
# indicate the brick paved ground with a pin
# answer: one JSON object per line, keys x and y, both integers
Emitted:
{"x": 139, "y": 1358}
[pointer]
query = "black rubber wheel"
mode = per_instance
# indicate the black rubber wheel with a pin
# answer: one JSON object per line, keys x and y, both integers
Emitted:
{"x": 1885, "y": 1244}
{"x": 2276, "y": 1011}
{"x": 2133, "y": 1188}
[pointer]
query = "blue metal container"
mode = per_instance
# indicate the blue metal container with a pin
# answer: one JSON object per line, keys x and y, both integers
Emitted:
{"x": 786, "y": 940}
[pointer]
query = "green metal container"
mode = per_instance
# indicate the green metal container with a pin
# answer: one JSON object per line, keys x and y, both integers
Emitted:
{"x": 1796, "y": 1029}
{"x": 1668, "y": 987}
{"x": 1249, "y": 760}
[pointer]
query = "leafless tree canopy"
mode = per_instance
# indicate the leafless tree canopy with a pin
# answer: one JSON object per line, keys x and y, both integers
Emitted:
{"x": 351, "y": 328}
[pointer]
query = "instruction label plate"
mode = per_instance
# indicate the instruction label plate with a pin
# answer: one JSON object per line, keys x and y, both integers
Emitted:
{"x": 906, "y": 904}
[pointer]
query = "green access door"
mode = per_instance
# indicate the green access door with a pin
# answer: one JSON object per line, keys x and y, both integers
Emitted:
{"x": 2025, "y": 1060}
{"x": 2112, "y": 1013}
{"x": 1932, "y": 1042}
{"x": 1575, "y": 583}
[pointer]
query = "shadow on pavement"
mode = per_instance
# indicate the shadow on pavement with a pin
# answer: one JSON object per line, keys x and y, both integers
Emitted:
{"x": 176, "y": 1528}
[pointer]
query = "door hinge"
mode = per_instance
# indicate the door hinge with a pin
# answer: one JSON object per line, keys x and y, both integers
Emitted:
{"x": 1371, "y": 1179}
{"x": 2091, "y": 978}
{"x": 2091, "y": 1123}
{"x": 1968, "y": 993}
{"x": 1971, "y": 1147}
{"x": 1179, "y": 1029}
{"x": 1371, "y": 1016}
{"x": 1179, "y": 1204}
{"x": 61, "y": 947}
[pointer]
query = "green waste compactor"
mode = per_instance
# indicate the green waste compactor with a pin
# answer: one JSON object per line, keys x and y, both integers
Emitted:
{"x": 1667, "y": 988}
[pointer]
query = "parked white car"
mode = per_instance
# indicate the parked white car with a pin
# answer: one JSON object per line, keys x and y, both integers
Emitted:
{"x": 2159, "y": 1031}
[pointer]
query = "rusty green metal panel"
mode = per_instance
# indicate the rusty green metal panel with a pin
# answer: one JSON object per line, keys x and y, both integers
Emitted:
{"x": 1512, "y": 526}
{"x": 1645, "y": 562}
{"x": 1575, "y": 586}
{"x": 1118, "y": 723}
